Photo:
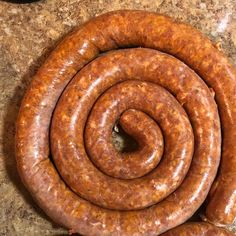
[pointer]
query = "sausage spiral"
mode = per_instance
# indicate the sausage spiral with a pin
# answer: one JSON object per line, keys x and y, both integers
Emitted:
{"x": 162, "y": 95}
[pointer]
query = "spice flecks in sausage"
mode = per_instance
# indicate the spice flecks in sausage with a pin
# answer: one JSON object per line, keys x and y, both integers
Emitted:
{"x": 107, "y": 32}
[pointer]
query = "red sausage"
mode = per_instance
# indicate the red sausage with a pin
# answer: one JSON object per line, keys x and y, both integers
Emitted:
{"x": 130, "y": 79}
{"x": 197, "y": 229}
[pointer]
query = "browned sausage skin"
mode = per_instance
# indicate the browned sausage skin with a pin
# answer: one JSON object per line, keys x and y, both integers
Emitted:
{"x": 197, "y": 229}
{"x": 110, "y": 31}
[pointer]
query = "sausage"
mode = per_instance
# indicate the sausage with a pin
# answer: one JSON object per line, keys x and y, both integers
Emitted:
{"x": 200, "y": 229}
{"x": 114, "y": 193}
{"x": 92, "y": 199}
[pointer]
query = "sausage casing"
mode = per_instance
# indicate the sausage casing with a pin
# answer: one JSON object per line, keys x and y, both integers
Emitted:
{"x": 194, "y": 178}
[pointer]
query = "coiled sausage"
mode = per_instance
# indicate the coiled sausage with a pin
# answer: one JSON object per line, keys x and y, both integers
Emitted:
{"x": 143, "y": 83}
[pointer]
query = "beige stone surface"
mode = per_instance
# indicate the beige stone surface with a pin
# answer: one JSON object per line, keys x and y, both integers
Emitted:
{"x": 27, "y": 33}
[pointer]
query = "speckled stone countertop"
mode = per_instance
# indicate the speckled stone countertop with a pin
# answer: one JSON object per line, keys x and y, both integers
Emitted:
{"x": 27, "y": 33}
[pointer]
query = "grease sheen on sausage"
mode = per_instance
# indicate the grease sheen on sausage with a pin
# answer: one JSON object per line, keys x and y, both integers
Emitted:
{"x": 199, "y": 229}
{"x": 188, "y": 189}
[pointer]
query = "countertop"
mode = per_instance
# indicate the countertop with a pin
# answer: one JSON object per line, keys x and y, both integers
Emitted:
{"x": 28, "y": 32}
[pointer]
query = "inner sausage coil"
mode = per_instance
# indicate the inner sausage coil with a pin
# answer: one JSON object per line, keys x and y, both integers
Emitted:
{"x": 170, "y": 89}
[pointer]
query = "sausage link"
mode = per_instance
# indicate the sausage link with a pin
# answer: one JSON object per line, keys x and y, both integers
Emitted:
{"x": 92, "y": 199}
{"x": 197, "y": 229}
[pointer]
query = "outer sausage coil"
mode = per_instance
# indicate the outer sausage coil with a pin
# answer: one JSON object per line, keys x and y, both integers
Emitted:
{"x": 200, "y": 229}
{"x": 161, "y": 94}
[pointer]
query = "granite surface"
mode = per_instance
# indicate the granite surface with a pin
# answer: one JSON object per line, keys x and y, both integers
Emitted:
{"x": 27, "y": 33}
